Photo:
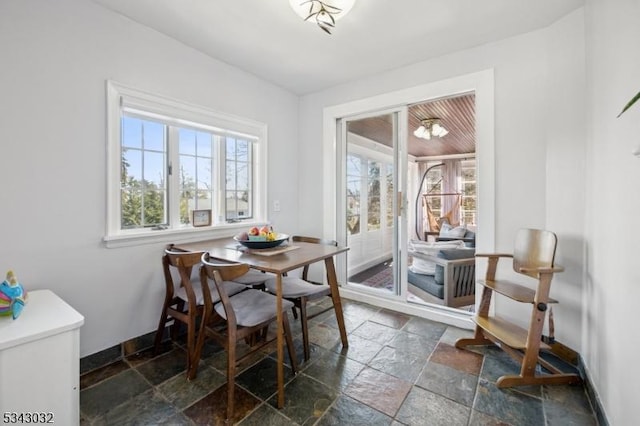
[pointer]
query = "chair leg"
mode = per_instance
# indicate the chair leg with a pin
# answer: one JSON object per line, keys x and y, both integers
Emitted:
{"x": 231, "y": 377}
{"x": 160, "y": 331}
{"x": 290, "y": 347}
{"x": 197, "y": 353}
{"x": 295, "y": 312}
{"x": 191, "y": 349}
{"x": 305, "y": 328}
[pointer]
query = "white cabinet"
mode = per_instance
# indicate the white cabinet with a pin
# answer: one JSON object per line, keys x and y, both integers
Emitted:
{"x": 40, "y": 361}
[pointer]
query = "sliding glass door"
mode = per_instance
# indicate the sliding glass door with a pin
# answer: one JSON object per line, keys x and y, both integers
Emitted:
{"x": 372, "y": 200}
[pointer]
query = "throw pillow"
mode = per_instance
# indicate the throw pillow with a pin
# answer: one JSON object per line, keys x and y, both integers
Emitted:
{"x": 432, "y": 248}
{"x": 450, "y": 232}
{"x": 421, "y": 266}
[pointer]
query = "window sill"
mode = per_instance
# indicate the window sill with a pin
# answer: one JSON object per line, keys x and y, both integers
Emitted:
{"x": 184, "y": 235}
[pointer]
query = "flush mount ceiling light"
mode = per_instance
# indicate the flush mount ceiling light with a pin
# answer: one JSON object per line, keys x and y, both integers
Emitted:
{"x": 323, "y": 13}
{"x": 429, "y": 128}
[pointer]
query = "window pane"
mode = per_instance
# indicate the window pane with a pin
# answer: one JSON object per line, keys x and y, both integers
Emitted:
{"x": 187, "y": 171}
{"x": 203, "y": 144}
{"x": 433, "y": 185}
{"x": 244, "y": 204}
{"x": 242, "y": 150}
{"x": 131, "y": 167}
{"x": 196, "y": 173}
{"x": 187, "y": 142}
{"x": 143, "y": 195}
{"x": 203, "y": 200}
{"x": 237, "y": 205}
{"x": 390, "y": 195}
{"x": 468, "y": 192}
{"x": 374, "y": 214}
{"x": 231, "y": 175}
{"x": 354, "y": 185}
{"x": 197, "y": 178}
{"x": 373, "y": 204}
{"x": 154, "y": 208}
{"x": 238, "y": 179}
{"x": 231, "y": 148}
{"x": 242, "y": 176}
{"x": 204, "y": 173}
{"x": 187, "y": 204}
{"x": 154, "y": 169}
{"x": 353, "y": 165}
{"x": 131, "y": 132}
{"x": 131, "y": 201}
{"x": 353, "y": 223}
{"x": 153, "y": 136}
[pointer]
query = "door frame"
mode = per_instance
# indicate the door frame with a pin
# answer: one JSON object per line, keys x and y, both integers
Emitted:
{"x": 482, "y": 83}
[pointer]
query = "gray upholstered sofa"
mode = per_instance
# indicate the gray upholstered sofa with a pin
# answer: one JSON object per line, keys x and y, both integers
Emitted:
{"x": 453, "y": 282}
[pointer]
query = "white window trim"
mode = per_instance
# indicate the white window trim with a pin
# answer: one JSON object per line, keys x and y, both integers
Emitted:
{"x": 183, "y": 114}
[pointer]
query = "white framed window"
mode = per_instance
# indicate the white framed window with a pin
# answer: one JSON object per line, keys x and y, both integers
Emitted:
{"x": 167, "y": 158}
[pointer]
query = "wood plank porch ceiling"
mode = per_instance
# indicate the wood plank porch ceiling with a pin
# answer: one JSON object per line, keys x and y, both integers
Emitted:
{"x": 456, "y": 114}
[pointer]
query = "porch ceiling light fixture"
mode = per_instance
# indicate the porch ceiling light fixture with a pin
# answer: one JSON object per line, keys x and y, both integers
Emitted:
{"x": 323, "y": 13}
{"x": 430, "y": 127}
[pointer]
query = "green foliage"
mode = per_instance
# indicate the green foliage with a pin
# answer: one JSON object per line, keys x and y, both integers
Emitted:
{"x": 630, "y": 103}
{"x": 142, "y": 202}
{"x": 187, "y": 193}
{"x": 374, "y": 195}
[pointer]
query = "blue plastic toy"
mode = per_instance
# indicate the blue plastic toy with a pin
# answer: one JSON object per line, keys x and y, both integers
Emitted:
{"x": 12, "y": 296}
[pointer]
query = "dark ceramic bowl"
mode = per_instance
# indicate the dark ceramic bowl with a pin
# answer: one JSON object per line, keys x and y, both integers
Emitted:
{"x": 280, "y": 238}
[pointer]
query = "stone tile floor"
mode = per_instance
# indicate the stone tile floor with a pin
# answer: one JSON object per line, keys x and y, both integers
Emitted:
{"x": 398, "y": 370}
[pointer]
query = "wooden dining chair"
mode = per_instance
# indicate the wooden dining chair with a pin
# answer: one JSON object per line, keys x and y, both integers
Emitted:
{"x": 300, "y": 291}
{"x": 239, "y": 317}
{"x": 184, "y": 300}
{"x": 254, "y": 279}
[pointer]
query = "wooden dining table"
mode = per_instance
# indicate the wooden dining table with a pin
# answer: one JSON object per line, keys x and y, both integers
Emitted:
{"x": 279, "y": 261}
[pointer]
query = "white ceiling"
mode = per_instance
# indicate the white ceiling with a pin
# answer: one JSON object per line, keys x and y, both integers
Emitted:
{"x": 266, "y": 38}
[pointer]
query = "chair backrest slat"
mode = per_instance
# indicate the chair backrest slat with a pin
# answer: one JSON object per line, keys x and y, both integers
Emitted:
{"x": 182, "y": 262}
{"x": 534, "y": 248}
{"x": 213, "y": 270}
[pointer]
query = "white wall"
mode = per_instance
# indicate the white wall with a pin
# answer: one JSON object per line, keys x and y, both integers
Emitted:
{"x": 55, "y": 59}
{"x": 564, "y": 168}
{"x": 611, "y": 337}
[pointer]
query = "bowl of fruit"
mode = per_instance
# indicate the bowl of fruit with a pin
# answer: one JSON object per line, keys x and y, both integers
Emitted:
{"x": 261, "y": 238}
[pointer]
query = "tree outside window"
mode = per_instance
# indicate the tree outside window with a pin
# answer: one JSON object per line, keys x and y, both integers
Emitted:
{"x": 373, "y": 196}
